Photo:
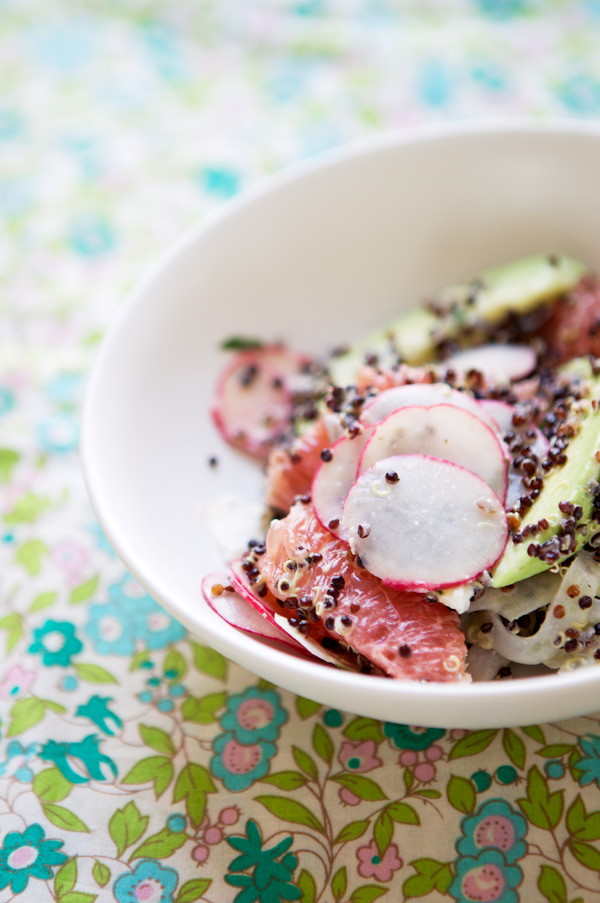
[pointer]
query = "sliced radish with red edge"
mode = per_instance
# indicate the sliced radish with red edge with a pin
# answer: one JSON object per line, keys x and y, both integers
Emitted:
{"x": 421, "y": 523}
{"x": 424, "y": 395}
{"x": 334, "y": 477}
{"x": 440, "y": 431}
{"x": 498, "y": 363}
{"x": 254, "y": 403}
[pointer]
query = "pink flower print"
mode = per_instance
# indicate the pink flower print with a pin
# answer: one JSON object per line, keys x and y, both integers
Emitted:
{"x": 349, "y": 798}
{"x": 16, "y": 682}
{"x": 372, "y": 865}
{"x": 359, "y": 756}
{"x": 70, "y": 558}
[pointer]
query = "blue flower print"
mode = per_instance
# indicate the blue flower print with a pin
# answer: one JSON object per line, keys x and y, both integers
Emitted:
{"x": 17, "y": 757}
{"x": 405, "y": 737}
{"x": 502, "y": 9}
{"x": 91, "y": 236}
{"x": 580, "y": 94}
{"x": 58, "y": 433}
{"x": 130, "y": 615}
{"x": 495, "y": 825}
{"x": 155, "y": 627}
{"x": 28, "y": 855}
{"x": 486, "y": 877}
{"x": 254, "y": 715}
{"x": 111, "y": 629}
{"x": 7, "y": 400}
{"x": 590, "y": 763}
{"x": 239, "y": 765}
{"x": 150, "y": 882}
{"x": 56, "y": 642}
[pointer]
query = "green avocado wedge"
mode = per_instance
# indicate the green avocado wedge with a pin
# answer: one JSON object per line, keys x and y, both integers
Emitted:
{"x": 516, "y": 287}
{"x": 574, "y": 483}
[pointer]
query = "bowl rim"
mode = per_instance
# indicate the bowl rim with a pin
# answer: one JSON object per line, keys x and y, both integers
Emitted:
{"x": 237, "y": 645}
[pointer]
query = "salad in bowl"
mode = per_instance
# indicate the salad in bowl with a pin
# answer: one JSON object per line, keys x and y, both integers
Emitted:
{"x": 432, "y": 492}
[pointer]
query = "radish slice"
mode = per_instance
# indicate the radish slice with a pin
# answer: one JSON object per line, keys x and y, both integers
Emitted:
{"x": 334, "y": 478}
{"x": 420, "y": 523}
{"x": 235, "y": 610}
{"x": 498, "y": 363}
{"x": 442, "y": 431}
{"x": 255, "y": 397}
{"x": 308, "y": 644}
{"x": 503, "y": 415}
{"x": 425, "y": 395}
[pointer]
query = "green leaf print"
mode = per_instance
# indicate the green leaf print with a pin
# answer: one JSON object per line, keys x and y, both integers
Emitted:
{"x": 306, "y": 708}
{"x": 203, "y": 710}
{"x": 580, "y": 824}
{"x": 352, "y": 831}
{"x": 291, "y": 810}
{"x": 361, "y": 786}
{"x": 13, "y": 624}
{"x": 431, "y": 875}
{"x": 535, "y": 732}
{"x": 339, "y": 883}
{"x": 63, "y": 818}
{"x": 208, "y": 661}
{"x": 155, "y": 769}
{"x": 555, "y": 750}
{"x": 585, "y": 853}
{"x": 367, "y": 893}
{"x": 101, "y": 873}
{"x": 361, "y": 728}
{"x": 542, "y": 808}
{"x": 514, "y": 747}
{"x": 403, "y": 813}
{"x": 156, "y": 738}
{"x": 51, "y": 786}
{"x": 65, "y": 878}
{"x": 461, "y": 794}
{"x": 27, "y": 509}
{"x": 383, "y": 831}
{"x": 174, "y": 665}
{"x": 43, "y": 600}
{"x": 160, "y": 845}
{"x": 305, "y": 763}
{"x": 192, "y": 785}
{"x": 30, "y": 556}
{"x": 84, "y": 591}
{"x": 93, "y": 674}
{"x": 77, "y": 896}
{"x": 192, "y": 890}
{"x": 308, "y": 887}
{"x": 24, "y": 714}
{"x": 322, "y": 744}
{"x": 126, "y": 826}
{"x": 472, "y": 744}
{"x": 552, "y": 885}
{"x": 285, "y": 780}
{"x": 9, "y": 458}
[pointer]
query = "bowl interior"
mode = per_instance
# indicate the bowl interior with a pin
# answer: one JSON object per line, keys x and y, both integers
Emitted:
{"x": 314, "y": 259}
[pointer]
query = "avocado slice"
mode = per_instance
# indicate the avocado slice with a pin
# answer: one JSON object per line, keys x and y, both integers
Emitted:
{"x": 574, "y": 482}
{"x": 516, "y": 287}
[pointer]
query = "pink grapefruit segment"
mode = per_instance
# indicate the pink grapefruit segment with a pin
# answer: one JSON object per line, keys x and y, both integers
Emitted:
{"x": 401, "y": 633}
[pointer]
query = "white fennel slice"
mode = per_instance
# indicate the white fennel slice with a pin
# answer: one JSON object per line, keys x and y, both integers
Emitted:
{"x": 548, "y": 644}
{"x": 333, "y": 478}
{"x": 424, "y": 395}
{"x": 441, "y": 431}
{"x": 498, "y": 363}
{"x": 420, "y": 523}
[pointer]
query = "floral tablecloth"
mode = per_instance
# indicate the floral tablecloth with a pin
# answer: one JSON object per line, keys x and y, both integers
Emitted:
{"x": 136, "y": 764}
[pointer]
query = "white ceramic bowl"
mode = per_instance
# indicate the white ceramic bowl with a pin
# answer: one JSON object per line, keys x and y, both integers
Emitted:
{"x": 315, "y": 257}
